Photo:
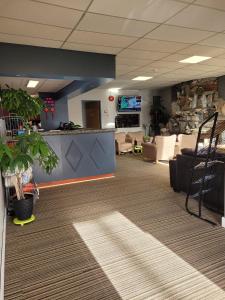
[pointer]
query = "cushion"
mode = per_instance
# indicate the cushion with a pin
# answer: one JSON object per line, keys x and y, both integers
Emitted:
{"x": 125, "y": 147}
{"x": 188, "y": 151}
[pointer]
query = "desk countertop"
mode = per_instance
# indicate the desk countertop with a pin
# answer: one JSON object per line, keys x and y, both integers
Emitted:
{"x": 77, "y": 131}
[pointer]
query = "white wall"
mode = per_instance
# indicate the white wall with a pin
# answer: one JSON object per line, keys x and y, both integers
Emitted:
{"x": 2, "y": 239}
{"x": 108, "y": 108}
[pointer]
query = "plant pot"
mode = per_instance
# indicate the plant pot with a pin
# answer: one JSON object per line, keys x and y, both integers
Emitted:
{"x": 23, "y": 208}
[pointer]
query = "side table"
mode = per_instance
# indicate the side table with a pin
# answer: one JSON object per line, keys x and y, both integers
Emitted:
{"x": 137, "y": 149}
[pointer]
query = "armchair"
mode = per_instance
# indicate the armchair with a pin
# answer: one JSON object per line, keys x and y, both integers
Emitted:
{"x": 185, "y": 141}
{"x": 135, "y": 136}
{"x": 121, "y": 143}
{"x": 163, "y": 149}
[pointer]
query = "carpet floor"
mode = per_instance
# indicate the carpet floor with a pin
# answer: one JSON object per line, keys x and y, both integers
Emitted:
{"x": 123, "y": 238}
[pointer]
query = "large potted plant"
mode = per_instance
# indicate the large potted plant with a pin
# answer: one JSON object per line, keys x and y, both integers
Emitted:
{"x": 16, "y": 160}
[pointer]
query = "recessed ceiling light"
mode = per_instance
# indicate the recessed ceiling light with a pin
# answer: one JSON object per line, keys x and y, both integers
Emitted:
{"x": 114, "y": 90}
{"x": 32, "y": 83}
{"x": 142, "y": 78}
{"x": 194, "y": 59}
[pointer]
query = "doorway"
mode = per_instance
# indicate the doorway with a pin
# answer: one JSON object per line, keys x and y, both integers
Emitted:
{"x": 92, "y": 114}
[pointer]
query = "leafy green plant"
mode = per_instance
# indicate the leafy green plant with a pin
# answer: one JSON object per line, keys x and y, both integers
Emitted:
{"x": 29, "y": 147}
{"x": 158, "y": 115}
{"x": 146, "y": 138}
{"x": 20, "y": 103}
{"x": 16, "y": 159}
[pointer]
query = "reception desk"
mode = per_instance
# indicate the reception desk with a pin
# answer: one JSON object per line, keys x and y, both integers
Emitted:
{"x": 84, "y": 154}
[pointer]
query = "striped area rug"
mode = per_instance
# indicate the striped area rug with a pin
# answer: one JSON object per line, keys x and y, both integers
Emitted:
{"x": 123, "y": 238}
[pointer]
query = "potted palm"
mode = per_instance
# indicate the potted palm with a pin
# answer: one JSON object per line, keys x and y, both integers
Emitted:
{"x": 16, "y": 160}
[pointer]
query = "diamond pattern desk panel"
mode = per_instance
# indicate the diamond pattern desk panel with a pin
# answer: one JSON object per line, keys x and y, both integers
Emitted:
{"x": 80, "y": 155}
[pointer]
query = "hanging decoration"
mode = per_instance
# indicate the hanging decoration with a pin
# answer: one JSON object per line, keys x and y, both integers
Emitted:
{"x": 46, "y": 113}
{"x": 49, "y": 107}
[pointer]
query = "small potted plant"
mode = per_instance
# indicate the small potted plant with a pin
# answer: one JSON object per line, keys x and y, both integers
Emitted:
{"x": 146, "y": 139}
{"x": 17, "y": 159}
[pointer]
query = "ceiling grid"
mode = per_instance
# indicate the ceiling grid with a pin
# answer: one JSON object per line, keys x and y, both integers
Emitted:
{"x": 148, "y": 37}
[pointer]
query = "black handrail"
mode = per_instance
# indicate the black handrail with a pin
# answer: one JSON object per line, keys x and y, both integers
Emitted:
{"x": 209, "y": 153}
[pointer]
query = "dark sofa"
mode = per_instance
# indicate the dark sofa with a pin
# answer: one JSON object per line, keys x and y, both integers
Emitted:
{"x": 180, "y": 173}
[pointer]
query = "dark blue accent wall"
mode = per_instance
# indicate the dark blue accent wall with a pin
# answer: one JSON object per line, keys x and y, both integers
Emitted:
{"x": 30, "y": 61}
{"x": 60, "y": 115}
{"x": 87, "y": 70}
{"x": 76, "y": 87}
{"x": 80, "y": 155}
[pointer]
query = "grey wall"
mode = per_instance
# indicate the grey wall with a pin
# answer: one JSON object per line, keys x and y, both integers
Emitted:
{"x": 60, "y": 115}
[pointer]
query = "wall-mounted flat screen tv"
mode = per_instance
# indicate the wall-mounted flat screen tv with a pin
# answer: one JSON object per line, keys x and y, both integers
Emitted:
{"x": 129, "y": 103}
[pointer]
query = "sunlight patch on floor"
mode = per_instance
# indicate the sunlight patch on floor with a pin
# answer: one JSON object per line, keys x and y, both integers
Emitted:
{"x": 139, "y": 266}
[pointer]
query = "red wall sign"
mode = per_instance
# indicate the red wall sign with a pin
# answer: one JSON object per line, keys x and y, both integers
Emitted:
{"x": 111, "y": 98}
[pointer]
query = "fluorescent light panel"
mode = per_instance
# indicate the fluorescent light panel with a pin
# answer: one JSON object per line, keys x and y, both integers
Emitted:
{"x": 194, "y": 59}
{"x": 114, "y": 90}
{"x": 142, "y": 78}
{"x": 32, "y": 83}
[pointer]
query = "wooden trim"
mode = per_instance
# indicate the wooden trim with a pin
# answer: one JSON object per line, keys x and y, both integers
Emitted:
{"x": 50, "y": 184}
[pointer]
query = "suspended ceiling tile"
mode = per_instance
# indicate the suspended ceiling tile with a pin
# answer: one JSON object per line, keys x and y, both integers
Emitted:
{"x": 122, "y": 77}
{"x": 186, "y": 1}
{"x": 32, "y": 30}
{"x": 219, "y": 4}
{"x": 114, "y": 25}
{"x": 44, "y": 85}
{"x": 23, "y": 40}
{"x": 215, "y": 62}
{"x": 222, "y": 56}
{"x": 101, "y": 39}
{"x": 175, "y": 57}
{"x": 214, "y": 73}
{"x": 123, "y": 69}
{"x": 75, "y": 4}
{"x": 202, "y": 50}
{"x": 20, "y": 82}
{"x": 140, "y": 72}
{"x": 178, "y": 34}
{"x": 114, "y": 84}
{"x": 156, "y": 45}
{"x": 91, "y": 48}
{"x": 131, "y": 75}
{"x": 151, "y": 11}
{"x": 138, "y": 86}
{"x": 13, "y": 82}
{"x": 139, "y": 54}
{"x": 167, "y": 64}
{"x": 131, "y": 61}
{"x": 200, "y": 18}
{"x": 52, "y": 85}
{"x": 177, "y": 76}
{"x": 155, "y": 70}
{"x": 220, "y": 69}
{"x": 217, "y": 40}
{"x": 186, "y": 71}
{"x": 39, "y": 13}
{"x": 201, "y": 67}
